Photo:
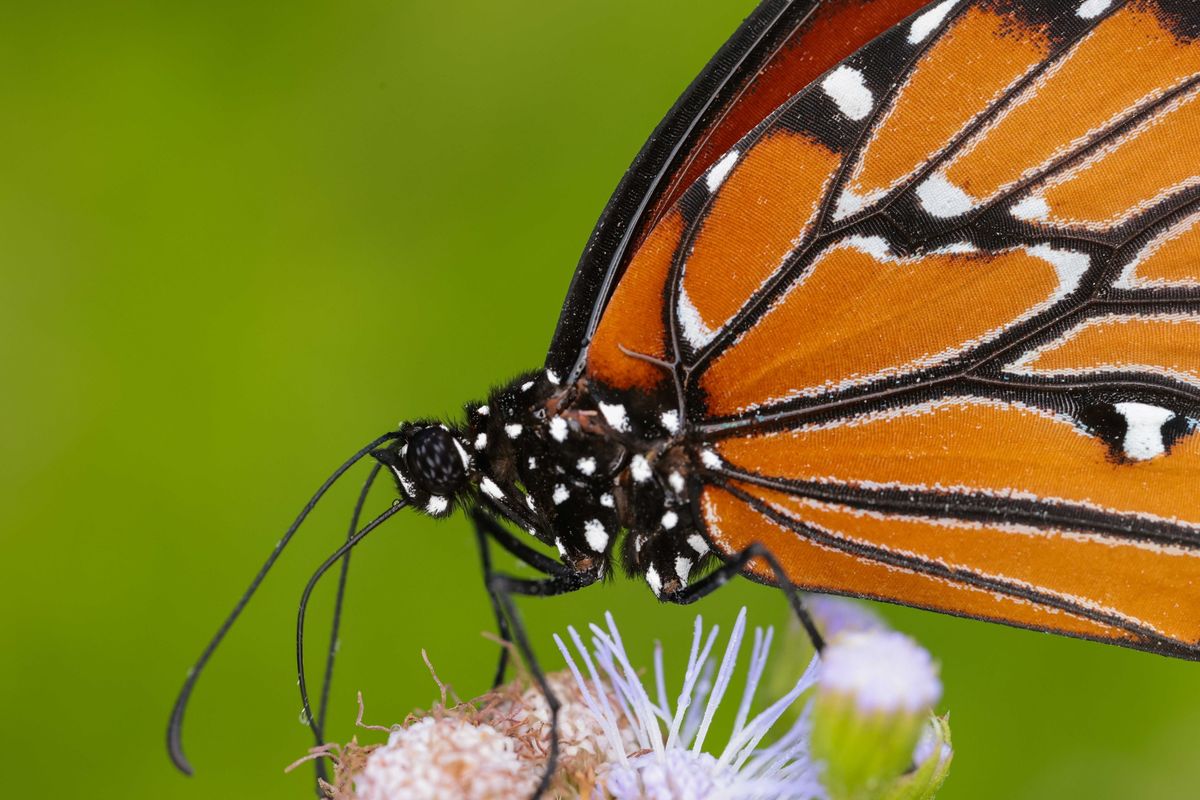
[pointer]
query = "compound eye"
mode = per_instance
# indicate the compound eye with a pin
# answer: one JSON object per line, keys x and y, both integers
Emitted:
{"x": 434, "y": 462}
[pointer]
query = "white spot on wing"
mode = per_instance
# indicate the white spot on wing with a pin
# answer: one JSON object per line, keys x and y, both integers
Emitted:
{"x": 655, "y": 581}
{"x": 1033, "y": 208}
{"x": 597, "y": 537}
{"x": 928, "y": 22}
{"x": 606, "y": 500}
{"x": 670, "y": 421}
{"x": 513, "y": 430}
{"x": 710, "y": 459}
{"x": 561, "y": 493}
{"x": 670, "y": 520}
{"x": 848, "y": 89}
{"x": 698, "y": 544}
{"x": 586, "y": 465}
{"x": 615, "y": 416}
{"x": 695, "y": 330}
{"x": 562, "y": 551}
{"x": 716, "y": 176}
{"x": 491, "y": 489}
{"x": 552, "y": 376}
{"x": 1143, "y": 433}
{"x": 639, "y": 467}
{"x": 1090, "y": 9}
{"x": 1069, "y": 265}
{"x": 558, "y": 429}
{"x": 483, "y": 411}
{"x": 941, "y": 198}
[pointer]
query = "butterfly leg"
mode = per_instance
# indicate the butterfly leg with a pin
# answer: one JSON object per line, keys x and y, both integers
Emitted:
{"x": 487, "y": 526}
{"x": 734, "y": 567}
{"x": 503, "y": 588}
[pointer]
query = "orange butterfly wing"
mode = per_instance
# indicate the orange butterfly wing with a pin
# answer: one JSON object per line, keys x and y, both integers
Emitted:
{"x": 936, "y": 322}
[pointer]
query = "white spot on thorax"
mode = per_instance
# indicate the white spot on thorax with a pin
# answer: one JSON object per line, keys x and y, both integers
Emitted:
{"x": 670, "y": 421}
{"x": 586, "y": 465}
{"x": 529, "y": 502}
{"x": 532, "y": 462}
{"x": 928, "y": 22}
{"x": 698, "y": 544}
{"x": 670, "y": 520}
{"x": 483, "y": 411}
{"x": 615, "y": 416}
{"x": 683, "y": 568}
{"x": 562, "y": 551}
{"x": 606, "y": 500}
{"x": 716, "y": 176}
{"x": 677, "y": 482}
{"x": 437, "y": 505}
{"x": 597, "y": 537}
{"x": 639, "y": 467}
{"x": 526, "y": 386}
{"x": 513, "y": 430}
{"x": 481, "y": 441}
{"x": 491, "y": 489}
{"x": 941, "y": 198}
{"x": 558, "y": 429}
{"x": 655, "y": 581}
{"x": 552, "y": 376}
{"x": 1143, "y": 431}
{"x": 695, "y": 329}
{"x": 561, "y": 493}
{"x": 847, "y": 88}
{"x": 1090, "y": 9}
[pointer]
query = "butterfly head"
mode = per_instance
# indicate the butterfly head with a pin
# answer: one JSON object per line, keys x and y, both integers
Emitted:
{"x": 431, "y": 465}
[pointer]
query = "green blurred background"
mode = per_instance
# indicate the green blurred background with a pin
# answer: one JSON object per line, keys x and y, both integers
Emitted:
{"x": 238, "y": 241}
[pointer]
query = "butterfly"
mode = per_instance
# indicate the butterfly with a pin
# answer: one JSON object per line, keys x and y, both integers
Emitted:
{"x": 900, "y": 301}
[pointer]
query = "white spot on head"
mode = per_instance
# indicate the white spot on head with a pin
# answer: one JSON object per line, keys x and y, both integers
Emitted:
{"x": 552, "y": 376}
{"x": 928, "y": 22}
{"x": 562, "y": 551}
{"x": 698, "y": 544}
{"x": 670, "y": 421}
{"x": 847, "y": 87}
{"x": 654, "y": 581}
{"x": 710, "y": 459}
{"x": 513, "y": 430}
{"x": 561, "y": 493}
{"x": 677, "y": 482}
{"x": 526, "y": 386}
{"x": 491, "y": 489}
{"x": 1143, "y": 429}
{"x": 695, "y": 329}
{"x": 1069, "y": 265}
{"x": 462, "y": 453}
{"x": 606, "y": 500}
{"x": 405, "y": 483}
{"x": 597, "y": 537}
{"x": 1090, "y": 9}
{"x": 586, "y": 465}
{"x": 481, "y": 441}
{"x": 683, "y": 568}
{"x": 1033, "y": 208}
{"x": 670, "y": 520}
{"x": 558, "y": 429}
{"x": 639, "y": 542}
{"x": 716, "y": 176}
{"x": 437, "y": 505}
{"x": 483, "y": 411}
{"x": 941, "y": 198}
{"x": 639, "y": 467}
{"x": 615, "y": 416}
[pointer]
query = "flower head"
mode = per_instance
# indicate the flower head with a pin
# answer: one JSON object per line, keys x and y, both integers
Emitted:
{"x": 671, "y": 761}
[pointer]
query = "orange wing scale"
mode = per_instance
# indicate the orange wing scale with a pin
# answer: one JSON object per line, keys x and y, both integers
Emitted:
{"x": 936, "y": 319}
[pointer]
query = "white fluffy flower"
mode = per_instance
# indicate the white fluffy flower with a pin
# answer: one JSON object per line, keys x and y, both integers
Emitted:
{"x": 669, "y": 761}
{"x": 448, "y": 757}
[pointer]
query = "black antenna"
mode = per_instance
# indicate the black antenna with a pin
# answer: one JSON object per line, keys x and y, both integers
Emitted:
{"x": 175, "y": 726}
{"x": 338, "y": 607}
{"x": 304, "y": 598}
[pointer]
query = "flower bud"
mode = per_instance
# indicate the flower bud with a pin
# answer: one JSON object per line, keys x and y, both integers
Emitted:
{"x": 874, "y": 695}
{"x": 932, "y": 759}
